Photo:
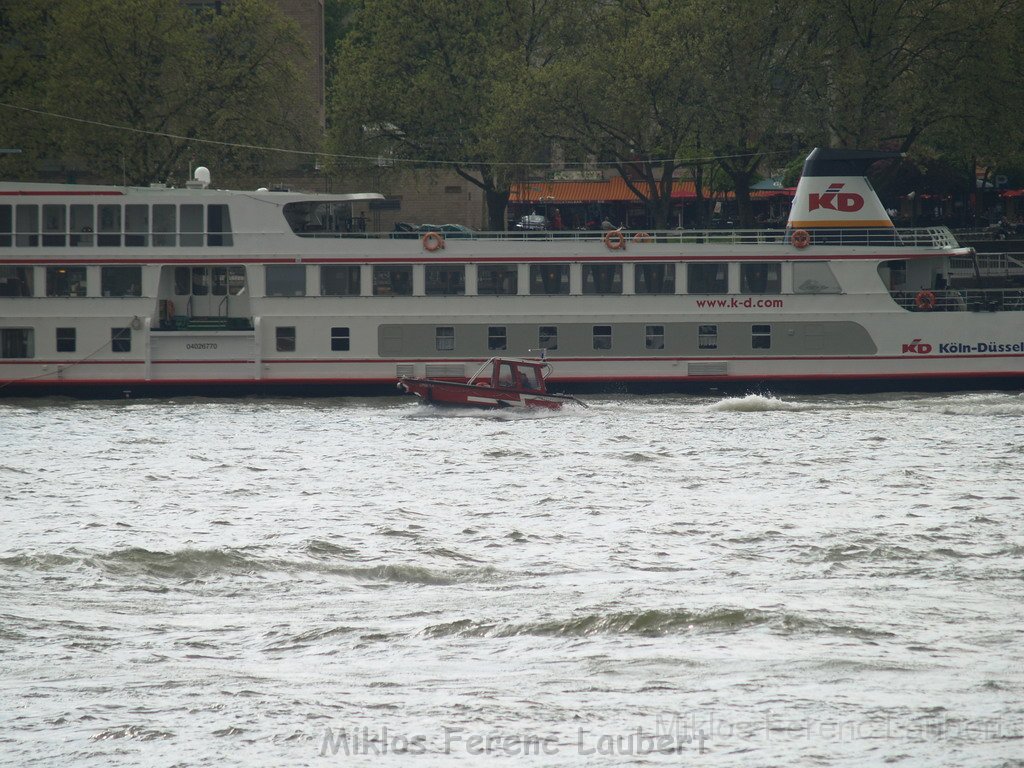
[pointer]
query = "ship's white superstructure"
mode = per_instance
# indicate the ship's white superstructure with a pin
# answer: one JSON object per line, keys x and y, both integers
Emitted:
{"x": 112, "y": 291}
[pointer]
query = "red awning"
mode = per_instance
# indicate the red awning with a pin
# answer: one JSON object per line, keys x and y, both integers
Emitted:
{"x": 614, "y": 190}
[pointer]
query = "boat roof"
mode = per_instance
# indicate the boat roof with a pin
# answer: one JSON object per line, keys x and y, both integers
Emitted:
{"x": 9, "y": 188}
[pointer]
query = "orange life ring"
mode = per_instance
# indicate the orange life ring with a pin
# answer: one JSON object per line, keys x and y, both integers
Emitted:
{"x": 432, "y": 241}
{"x": 801, "y": 238}
{"x": 615, "y": 239}
{"x": 641, "y": 237}
{"x": 925, "y": 301}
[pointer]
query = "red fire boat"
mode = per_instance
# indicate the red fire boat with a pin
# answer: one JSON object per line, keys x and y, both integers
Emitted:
{"x": 501, "y": 382}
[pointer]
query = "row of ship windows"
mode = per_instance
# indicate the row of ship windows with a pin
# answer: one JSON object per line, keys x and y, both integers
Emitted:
{"x": 20, "y": 342}
{"x": 547, "y": 337}
{"x": 114, "y": 225}
{"x": 439, "y": 280}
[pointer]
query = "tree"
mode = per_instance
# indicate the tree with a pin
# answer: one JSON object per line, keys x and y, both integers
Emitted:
{"x": 755, "y": 60}
{"x": 117, "y": 83}
{"x": 443, "y": 83}
{"x": 627, "y": 94}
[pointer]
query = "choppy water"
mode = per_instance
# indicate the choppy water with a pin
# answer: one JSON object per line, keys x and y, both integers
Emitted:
{"x": 753, "y": 581}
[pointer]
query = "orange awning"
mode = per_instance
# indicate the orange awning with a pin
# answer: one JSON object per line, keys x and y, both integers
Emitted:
{"x": 614, "y": 190}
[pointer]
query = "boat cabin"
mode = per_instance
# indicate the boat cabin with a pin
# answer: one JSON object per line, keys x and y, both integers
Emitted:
{"x": 511, "y": 373}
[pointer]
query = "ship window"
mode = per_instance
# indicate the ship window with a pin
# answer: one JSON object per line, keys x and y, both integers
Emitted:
{"x": 136, "y": 225}
{"x": 339, "y": 340}
{"x": 505, "y": 375}
{"x": 602, "y": 278}
{"x": 286, "y": 279}
{"x": 497, "y": 280}
{"x": 760, "y": 337}
{"x": 182, "y": 281}
{"x": 109, "y": 225}
{"x": 817, "y": 277}
{"x": 17, "y": 342}
{"x": 27, "y": 225}
{"x": 120, "y": 339}
{"x": 16, "y": 281}
{"x": 321, "y": 219}
{"x": 392, "y": 280}
{"x": 707, "y": 337}
{"x": 83, "y": 222}
{"x": 761, "y": 278}
{"x": 497, "y": 338}
{"x": 547, "y": 337}
{"x": 444, "y": 338}
{"x": 121, "y": 281}
{"x": 236, "y": 280}
{"x": 165, "y": 226}
{"x": 549, "y": 279}
{"x": 5, "y": 226}
{"x": 339, "y": 280}
{"x": 54, "y": 226}
{"x": 445, "y": 281}
{"x": 66, "y": 340}
{"x": 191, "y": 225}
{"x": 602, "y": 337}
{"x": 200, "y": 281}
{"x": 654, "y": 336}
{"x": 218, "y": 225}
{"x": 285, "y": 336}
{"x": 655, "y": 278}
{"x": 65, "y": 281}
{"x": 707, "y": 278}
{"x": 219, "y": 278}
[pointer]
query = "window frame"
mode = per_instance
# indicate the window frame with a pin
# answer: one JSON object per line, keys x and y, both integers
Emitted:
{"x": 341, "y": 339}
{"x": 285, "y": 338}
{"x": 650, "y": 336}
{"x": 66, "y": 339}
{"x": 761, "y": 336}
{"x": 494, "y": 334}
{"x": 693, "y": 277}
{"x": 444, "y": 338}
{"x": 121, "y": 340}
{"x": 707, "y": 336}
{"x": 602, "y": 339}
{"x": 552, "y": 333}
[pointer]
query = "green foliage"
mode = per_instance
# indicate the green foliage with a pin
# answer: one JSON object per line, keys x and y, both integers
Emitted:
{"x": 442, "y": 80}
{"x": 157, "y": 69}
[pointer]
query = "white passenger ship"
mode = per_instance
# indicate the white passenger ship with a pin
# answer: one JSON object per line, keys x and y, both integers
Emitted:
{"x": 115, "y": 291}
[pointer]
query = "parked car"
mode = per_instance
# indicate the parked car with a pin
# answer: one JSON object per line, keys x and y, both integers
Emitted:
{"x": 533, "y": 222}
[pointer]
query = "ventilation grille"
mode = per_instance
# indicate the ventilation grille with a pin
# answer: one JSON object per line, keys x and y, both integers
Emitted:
{"x": 707, "y": 369}
{"x": 406, "y": 369}
{"x": 443, "y": 371}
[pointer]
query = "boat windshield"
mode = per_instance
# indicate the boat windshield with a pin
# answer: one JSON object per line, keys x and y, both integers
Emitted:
{"x": 528, "y": 375}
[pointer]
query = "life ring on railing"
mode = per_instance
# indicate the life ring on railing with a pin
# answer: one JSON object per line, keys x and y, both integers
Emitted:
{"x": 432, "y": 241}
{"x": 801, "y": 238}
{"x": 925, "y": 301}
{"x": 642, "y": 237}
{"x": 615, "y": 240}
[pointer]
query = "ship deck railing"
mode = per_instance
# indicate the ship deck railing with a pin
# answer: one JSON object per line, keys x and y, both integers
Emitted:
{"x": 926, "y": 237}
{"x": 964, "y": 300}
{"x": 989, "y": 264}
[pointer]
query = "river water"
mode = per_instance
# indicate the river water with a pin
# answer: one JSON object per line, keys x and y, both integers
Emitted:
{"x": 670, "y": 580}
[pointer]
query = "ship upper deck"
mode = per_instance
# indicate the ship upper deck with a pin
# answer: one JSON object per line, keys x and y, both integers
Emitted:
{"x": 161, "y": 222}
